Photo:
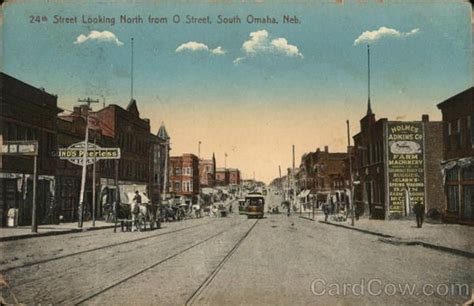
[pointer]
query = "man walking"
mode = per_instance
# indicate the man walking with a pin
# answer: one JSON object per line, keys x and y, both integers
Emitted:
{"x": 137, "y": 201}
{"x": 326, "y": 211}
{"x": 419, "y": 210}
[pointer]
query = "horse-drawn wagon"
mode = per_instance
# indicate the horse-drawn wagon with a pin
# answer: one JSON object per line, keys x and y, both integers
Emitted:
{"x": 133, "y": 215}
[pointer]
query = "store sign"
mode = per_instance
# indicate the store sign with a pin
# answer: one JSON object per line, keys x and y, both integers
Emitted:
{"x": 19, "y": 147}
{"x": 75, "y": 153}
{"x": 406, "y": 175}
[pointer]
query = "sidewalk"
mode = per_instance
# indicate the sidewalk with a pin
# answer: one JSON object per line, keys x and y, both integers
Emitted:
{"x": 23, "y": 232}
{"x": 452, "y": 238}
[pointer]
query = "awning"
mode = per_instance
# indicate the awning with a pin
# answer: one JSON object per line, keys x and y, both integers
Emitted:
{"x": 304, "y": 193}
{"x": 208, "y": 190}
{"x": 461, "y": 163}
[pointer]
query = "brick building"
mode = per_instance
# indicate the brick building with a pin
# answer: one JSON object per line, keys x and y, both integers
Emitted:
{"x": 161, "y": 153}
{"x": 323, "y": 171}
{"x": 184, "y": 178}
{"x": 234, "y": 176}
{"x": 27, "y": 113}
{"x": 396, "y": 165}
{"x": 222, "y": 177}
{"x": 71, "y": 129}
{"x": 458, "y": 163}
{"x": 207, "y": 172}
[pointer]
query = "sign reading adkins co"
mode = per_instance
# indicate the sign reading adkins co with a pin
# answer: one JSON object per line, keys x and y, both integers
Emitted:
{"x": 75, "y": 152}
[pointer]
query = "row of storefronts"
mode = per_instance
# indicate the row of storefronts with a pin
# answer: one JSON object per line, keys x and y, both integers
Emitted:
{"x": 401, "y": 163}
{"x": 396, "y": 164}
{"x": 31, "y": 114}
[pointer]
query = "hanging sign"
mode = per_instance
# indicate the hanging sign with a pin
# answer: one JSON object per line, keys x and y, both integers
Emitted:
{"x": 75, "y": 153}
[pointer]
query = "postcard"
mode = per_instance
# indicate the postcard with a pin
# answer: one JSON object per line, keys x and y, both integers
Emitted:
{"x": 236, "y": 152}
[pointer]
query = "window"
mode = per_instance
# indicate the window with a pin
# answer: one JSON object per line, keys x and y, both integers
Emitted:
{"x": 177, "y": 171}
{"x": 468, "y": 173}
{"x": 452, "y": 174}
{"x": 458, "y": 133}
{"x": 453, "y": 198}
{"x": 177, "y": 186}
{"x": 470, "y": 128}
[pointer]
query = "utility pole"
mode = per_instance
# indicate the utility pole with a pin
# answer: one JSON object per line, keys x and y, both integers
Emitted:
{"x": 165, "y": 174}
{"x": 293, "y": 179}
{"x": 34, "y": 218}
{"x": 93, "y": 183}
{"x": 89, "y": 101}
{"x": 351, "y": 184}
{"x": 279, "y": 172}
{"x": 199, "y": 149}
{"x": 225, "y": 160}
{"x": 131, "y": 70}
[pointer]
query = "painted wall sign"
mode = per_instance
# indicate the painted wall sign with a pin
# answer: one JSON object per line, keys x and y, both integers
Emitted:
{"x": 405, "y": 165}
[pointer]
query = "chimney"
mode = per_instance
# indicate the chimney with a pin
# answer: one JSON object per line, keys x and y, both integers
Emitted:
{"x": 326, "y": 149}
{"x": 425, "y": 118}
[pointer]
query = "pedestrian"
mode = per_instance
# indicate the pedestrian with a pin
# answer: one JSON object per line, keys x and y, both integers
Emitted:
{"x": 137, "y": 197}
{"x": 326, "y": 211}
{"x": 419, "y": 210}
{"x": 137, "y": 200}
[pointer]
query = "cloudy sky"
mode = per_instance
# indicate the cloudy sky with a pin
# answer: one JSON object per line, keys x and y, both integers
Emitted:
{"x": 249, "y": 89}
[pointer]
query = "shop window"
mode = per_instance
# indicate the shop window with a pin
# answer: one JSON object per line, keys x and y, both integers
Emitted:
{"x": 468, "y": 173}
{"x": 468, "y": 201}
{"x": 452, "y": 174}
{"x": 453, "y": 198}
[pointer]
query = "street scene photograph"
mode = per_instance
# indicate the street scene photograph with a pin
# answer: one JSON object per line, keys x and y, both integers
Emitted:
{"x": 236, "y": 152}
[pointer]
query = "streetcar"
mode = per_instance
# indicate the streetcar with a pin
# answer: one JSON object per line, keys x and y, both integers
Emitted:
{"x": 255, "y": 204}
{"x": 242, "y": 207}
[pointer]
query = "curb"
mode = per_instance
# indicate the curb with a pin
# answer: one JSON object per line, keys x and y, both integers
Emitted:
{"x": 407, "y": 242}
{"x": 307, "y": 218}
{"x": 53, "y": 233}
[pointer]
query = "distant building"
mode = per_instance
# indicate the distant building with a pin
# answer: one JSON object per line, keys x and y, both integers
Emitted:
{"x": 207, "y": 172}
{"x": 397, "y": 165}
{"x": 161, "y": 153}
{"x": 323, "y": 171}
{"x": 458, "y": 163}
{"x": 184, "y": 177}
{"x": 222, "y": 177}
{"x": 234, "y": 176}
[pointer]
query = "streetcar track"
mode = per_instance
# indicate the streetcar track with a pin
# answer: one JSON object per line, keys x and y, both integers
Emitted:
{"x": 34, "y": 263}
{"x": 156, "y": 264}
{"x": 218, "y": 268}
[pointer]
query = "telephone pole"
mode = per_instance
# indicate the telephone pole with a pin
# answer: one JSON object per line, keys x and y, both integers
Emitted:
{"x": 88, "y": 101}
{"x": 293, "y": 179}
{"x": 351, "y": 184}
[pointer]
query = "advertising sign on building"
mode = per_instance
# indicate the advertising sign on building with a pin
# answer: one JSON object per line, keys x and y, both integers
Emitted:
{"x": 405, "y": 166}
{"x": 75, "y": 153}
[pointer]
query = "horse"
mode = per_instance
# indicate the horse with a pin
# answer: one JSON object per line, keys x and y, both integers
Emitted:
{"x": 139, "y": 216}
{"x": 197, "y": 210}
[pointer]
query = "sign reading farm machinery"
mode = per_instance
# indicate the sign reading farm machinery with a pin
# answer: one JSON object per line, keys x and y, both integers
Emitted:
{"x": 75, "y": 153}
{"x": 405, "y": 165}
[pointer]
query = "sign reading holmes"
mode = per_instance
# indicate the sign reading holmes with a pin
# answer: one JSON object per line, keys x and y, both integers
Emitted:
{"x": 406, "y": 175}
{"x": 75, "y": 153}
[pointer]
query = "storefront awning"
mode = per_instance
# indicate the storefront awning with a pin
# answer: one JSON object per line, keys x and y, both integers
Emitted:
{"x": 304, "y": 193}
{"x": 461, "y": 163}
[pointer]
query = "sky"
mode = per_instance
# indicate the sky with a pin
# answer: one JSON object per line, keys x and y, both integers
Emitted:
{"x": 249, "y": 89}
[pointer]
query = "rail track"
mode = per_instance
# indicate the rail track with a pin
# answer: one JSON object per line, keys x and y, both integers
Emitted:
{"x": 108, "y": 246}
{"x": 201, "y": 287}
